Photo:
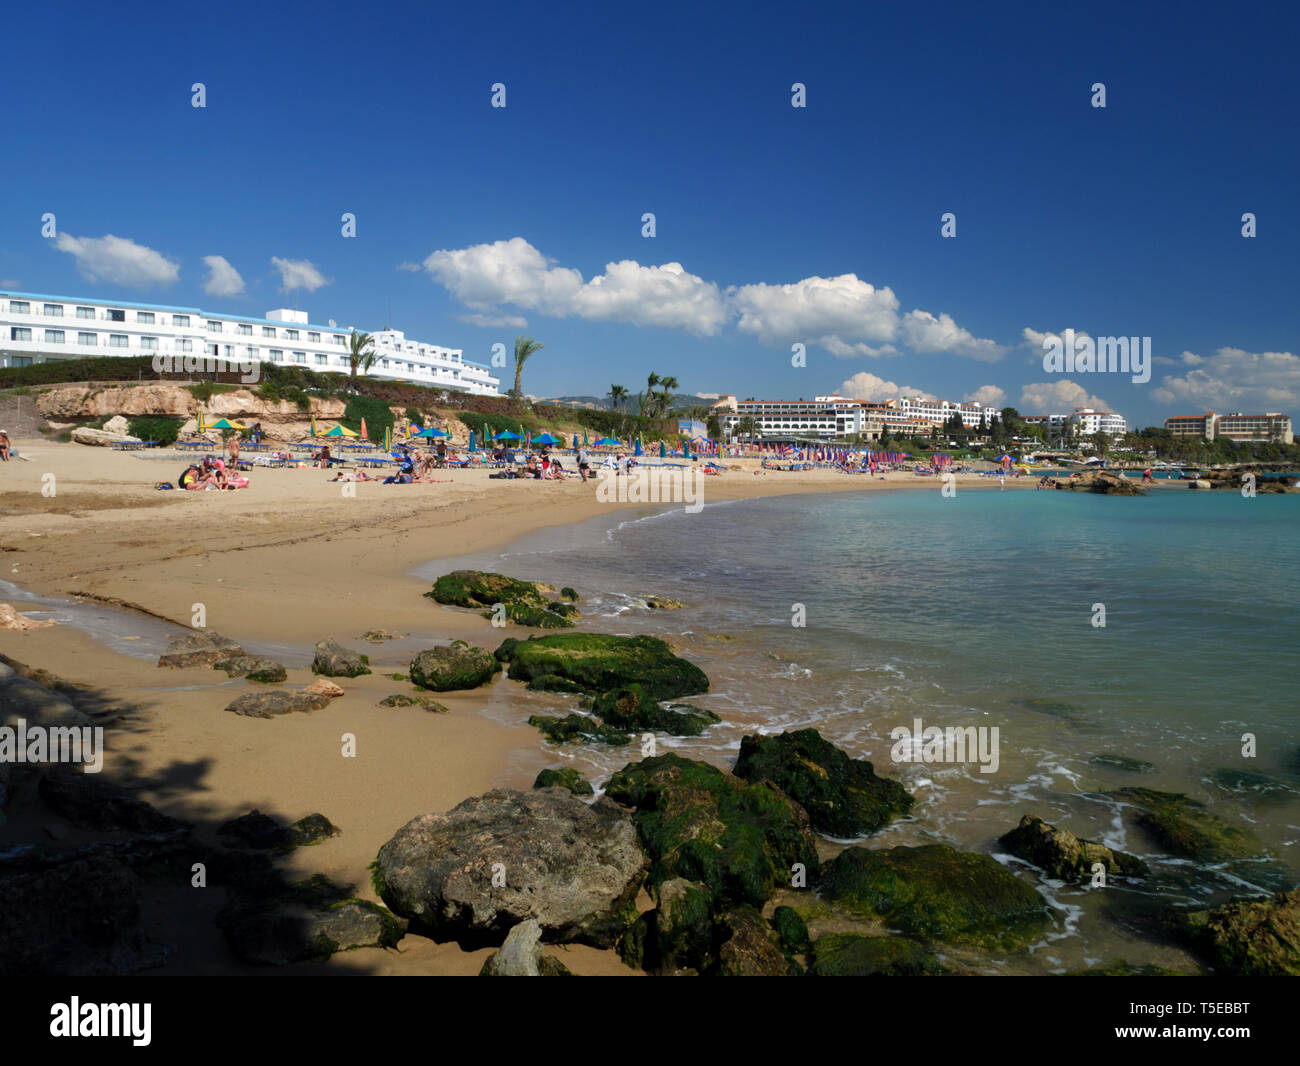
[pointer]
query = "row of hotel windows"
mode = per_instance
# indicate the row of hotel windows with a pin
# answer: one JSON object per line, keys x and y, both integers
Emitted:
{"x": 148, "y": 318}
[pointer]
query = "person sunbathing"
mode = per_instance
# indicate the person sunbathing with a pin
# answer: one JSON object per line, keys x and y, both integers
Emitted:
{"x": 4, "y": 446}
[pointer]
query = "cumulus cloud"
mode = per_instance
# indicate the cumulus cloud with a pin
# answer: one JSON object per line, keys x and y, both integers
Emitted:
{"x": 864, "y": 386}
{"x": 990, "y": 395}
{"x": 923, "y": 332}
{"x": 298, "y": 274}
{"x": 1058, "y": 397}
{"x": 835, "y": 312}
{"x": 118, "y": 260}
{"x": 488, "y": 321}
{"x": 844, "y": 350}
{"x": 223, "y": 279}
{"x": 1234, "y": 380}
{"x": 484, "y": 276}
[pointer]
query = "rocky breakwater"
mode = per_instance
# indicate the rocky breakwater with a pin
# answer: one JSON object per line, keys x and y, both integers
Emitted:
{"x": 1101, "y": 481}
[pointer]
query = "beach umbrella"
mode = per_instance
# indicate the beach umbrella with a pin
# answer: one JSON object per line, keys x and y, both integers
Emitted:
{"x": 506, "y": 435}
{"x": 225, "y": 423}
{"x": 609, "y": 442}
{"x": 584, "y": 436}
{"x": 340, "y": 431}
{"x": 388, "y": 438}
{"x": 575, "y": 442}
{"x": 546, "y": 438}
{"x": 313, "y": 425}
{"x": 201, "y": 426}
{"x": 473, "y": 444}
{"x": 432, "y": 431}
{"x": 663, "y": 450}
{"x": 638, "y": 447}
{"x": 364, "y": 434}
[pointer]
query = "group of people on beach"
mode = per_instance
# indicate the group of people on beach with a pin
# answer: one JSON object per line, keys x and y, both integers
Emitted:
{"x": 212, "y": 473}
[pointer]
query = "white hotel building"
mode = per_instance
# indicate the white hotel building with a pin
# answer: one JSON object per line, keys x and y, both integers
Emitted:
{"x": 833, "y": 417}
{"x": 36, "y": 329}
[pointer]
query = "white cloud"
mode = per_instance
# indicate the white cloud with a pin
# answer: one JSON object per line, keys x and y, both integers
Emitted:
{"x": 298, "y": 274}
{"x": 485, "y": 276}
{"x": 223, "y": 279}
{"x": 864, "y": 386}
{"x": 844, "y": 350}
{"x": 990, "y": 395}
{"x": 1234, "y": 380}
{"x": 118, "y": 260}
{"x": 922, "y": 332}
{"x": 488, "y": 321}
{"x": 834, "y": 312}
{"x": 1058, "y": 397}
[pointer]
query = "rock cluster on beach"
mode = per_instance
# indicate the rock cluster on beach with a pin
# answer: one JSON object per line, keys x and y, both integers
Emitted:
{"x": 334, "y": 660}
{"x": 1102, "y": 481}
{"x": 198, "y": 648}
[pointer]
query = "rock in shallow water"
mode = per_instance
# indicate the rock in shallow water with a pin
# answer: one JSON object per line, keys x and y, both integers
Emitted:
{"x": 599, "y": 662}
{"x": 204, "y": 648}
{"x": 1186, "y": 828}
{"x": 1247, "y": 938}
{"x": 1060, "y": 854}
{"x": 573, "y": 867}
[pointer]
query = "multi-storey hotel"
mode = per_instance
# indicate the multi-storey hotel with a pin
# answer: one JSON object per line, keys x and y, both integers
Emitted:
{"x": 1083, "y": 422}
{"x": 36, "y": 329}
{"x": 1273, "y": 427}
{"x": 837, "y": 416}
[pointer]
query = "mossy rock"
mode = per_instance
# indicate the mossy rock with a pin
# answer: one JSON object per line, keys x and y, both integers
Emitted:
{"x": 937, "y": 892}
{"x": 566, "y": 778}
{"x": 633, "y": 709}
{"x": 682, "y": 929}
{"x": 1246, "y": 938}
{"x": 791, "y": 929}
{"x": 253, "y": 668}
{"x": 850, "y": 955}
{"x": 525, "y": 614}
{"x": 738, "y": 840}
{"x": 1123, "y": 762}
{"x": 568, "y": 593}
{"x": 1186, "y": 828}
{"x": 401, "y": 699}
{"x": 749, "y": 947}
{"x": 1252, "y": 785}
{"x": 598, "y": 662}
{"x": 553, "y": 683}
{"x": 482, "y": 588}
{"x": 577, "y": 728}
{"x": 843, "y": 796}
{"x": 1060, "y": 854}
{"x": 458, "y": 666}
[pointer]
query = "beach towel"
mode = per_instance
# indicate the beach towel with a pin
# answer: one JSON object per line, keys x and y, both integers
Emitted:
{"x": 165, "y": 485}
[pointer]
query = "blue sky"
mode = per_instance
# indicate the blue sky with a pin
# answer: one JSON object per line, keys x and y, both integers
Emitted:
{"x": 775, "y": 225}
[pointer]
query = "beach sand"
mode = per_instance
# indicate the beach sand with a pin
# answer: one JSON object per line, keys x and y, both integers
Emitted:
{"x": 289, "y": 561}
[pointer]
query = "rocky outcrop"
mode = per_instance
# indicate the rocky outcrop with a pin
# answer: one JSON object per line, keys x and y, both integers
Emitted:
{"x": 598, "y": 662}
{"x": 577, "y": 728}
{"x": 261, "y": 832}
{"x": 568, "y": 778}
{"x": 750, "y": 947}
{"x": 1186, "y": 828}
{"x": 633, "y": 710}
{"x": 522, "y": 602}
{"x": 505, "y": 857}
{"x": 273, "y": 704}
{"x": 459, "y": 665}
{"x": 739, "y": 840}
{"x": 334, "y": 660}
{"x": 843, "y": 796}
{"x": 850, "y": 955}
{"x": 252, "y": 668}
{"x": 99, "y": 438}
{"x": 11, "y": 619}
{"x": 1060, "y": 854}
{"x": 1101, "y": 481}
{"x": 401, "y": 699}
{"x": 521, "y": 955}
{"x": 937, "y": 893}
{"x": 1246, "y": 938}
{"x": 1253, "y": 786}
{"x": 198, "y": 648}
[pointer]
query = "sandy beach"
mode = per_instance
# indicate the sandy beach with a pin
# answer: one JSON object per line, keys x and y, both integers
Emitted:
{"x": 289, "y": 561}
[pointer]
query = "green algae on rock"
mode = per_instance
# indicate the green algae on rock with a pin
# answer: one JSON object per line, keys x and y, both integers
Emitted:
{"x": 936, "y": 892}
{"x": 1246, "y": 938}
{"x": 524, "y": 602}
{"x": 1186, "y": 828}
{"x": 1060, "y": 854}
{"x": 1123, "y": 762}
{"x": 566, "y": 778}
{"x": 598, "y": 662}
{"x": 851, "y": 955}
{"x": 456, "y": 666}
{"x": 576, "y": 727}
{"x": 633, "y": 708}
{"x": 842, "y": 795}
{"x": 739, "y": 840}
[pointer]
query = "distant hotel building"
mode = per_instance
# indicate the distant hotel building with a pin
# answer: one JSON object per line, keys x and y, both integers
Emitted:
{"x": 36, "y": 329}
{"x": 1083, "y": 421}
{"x": 832, "y": 417}
{"x": 1272, "y": 427}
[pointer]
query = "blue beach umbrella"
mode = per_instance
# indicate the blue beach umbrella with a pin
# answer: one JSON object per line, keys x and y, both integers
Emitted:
{"x": 546, "y": 438}
{"x": 663, "y": 450}
{"x": 609, "y": 442}
{"x": 575, "y": 442}
{"x": 432, "y": 432}
{"x": 506, "y": 435}
{"x": 473, "y": 444}
{"x": 638, "y": 447}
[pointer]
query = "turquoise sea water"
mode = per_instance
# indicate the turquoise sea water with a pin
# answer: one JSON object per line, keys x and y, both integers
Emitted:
{"x": 978, "y": 611}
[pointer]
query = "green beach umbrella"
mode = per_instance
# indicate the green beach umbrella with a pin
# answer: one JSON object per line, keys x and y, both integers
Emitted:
{"x": 663, "y": 450}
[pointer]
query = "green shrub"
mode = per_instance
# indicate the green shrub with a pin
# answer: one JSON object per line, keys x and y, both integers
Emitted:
{"x": 162, "y": 428}
{"x": 376, "y": 413}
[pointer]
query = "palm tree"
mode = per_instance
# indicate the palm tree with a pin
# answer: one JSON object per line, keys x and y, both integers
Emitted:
{"x": 362, "y": 353}
{"x": 524, "y": 347}
{"x": 646, "y": 398}
{"x": 617, "y": 394}
{"x": 665, "y": 396}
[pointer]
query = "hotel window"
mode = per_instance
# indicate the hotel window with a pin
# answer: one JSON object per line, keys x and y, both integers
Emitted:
{"x": 85, "y": 312}
{"x": 20, "y": 360}
{"x": 252, "y": 352}
{"x": 20, "y": 333}
{"x": 20, "y": 307}
{"x": 117, "y": 340}
{"x": 54, "y": 336}
{"x": 144, "y": 317}
{"x": 276, "y": 355}
{"x": 291, "y": 334}
{"x": 268, "y": 331}
{"x": 149, "y": 344}
{"x": 115, "y": 315}
{"x": 184, "y": 344}
{"x": 338, "y": 339}
{"x": 214, "y": 327}
{"x": 54, "y": 310}
{"x": 88, "y": 340}
{"x": 245, "y": 330}
{"x": 180, "y": 320}
{"x": 321, "y": 360}
{"x": 299, "y": 357}
{"x": 313, "y": 338}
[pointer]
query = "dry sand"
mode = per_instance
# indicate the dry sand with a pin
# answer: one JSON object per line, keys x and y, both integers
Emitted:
{"x": 293, "y": 559}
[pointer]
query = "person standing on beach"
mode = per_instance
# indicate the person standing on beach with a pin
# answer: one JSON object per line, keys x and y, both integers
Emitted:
{"x": 584, "y": 464}
{"x": 234, "y": 452}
